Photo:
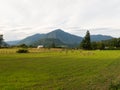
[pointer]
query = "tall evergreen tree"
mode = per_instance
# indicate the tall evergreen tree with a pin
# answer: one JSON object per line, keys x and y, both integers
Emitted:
{"x": 1, "y": 40}
{"x": 86, "y": 42}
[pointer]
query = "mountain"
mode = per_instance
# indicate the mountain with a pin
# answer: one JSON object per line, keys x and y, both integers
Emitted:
{"x": 59, "y": 37}
{"x": 100, "y": 37}
{"x": 29, "y": 40}
{"x": 12, "y": 42}
{"x": 64, "y": 37}
{"x": 47, "y": 42}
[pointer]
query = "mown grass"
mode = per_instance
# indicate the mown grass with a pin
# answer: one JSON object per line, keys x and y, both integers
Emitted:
{"x": 60, "y": 70}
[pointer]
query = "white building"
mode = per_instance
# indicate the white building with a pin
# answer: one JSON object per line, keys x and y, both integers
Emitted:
{"x": 40, "y": 46}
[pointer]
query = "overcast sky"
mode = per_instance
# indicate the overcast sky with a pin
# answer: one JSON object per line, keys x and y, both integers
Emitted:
{"x": 21, "y": 18}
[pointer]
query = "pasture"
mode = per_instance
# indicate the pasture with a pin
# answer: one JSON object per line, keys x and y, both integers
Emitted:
{"x": 57, "y": 69}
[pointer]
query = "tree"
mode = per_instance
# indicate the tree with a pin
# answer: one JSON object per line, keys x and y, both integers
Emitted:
{"x": 86, "y": 42}
{"x": 93, "y": 45}
{"x": 53, "y": 45}
{"x": 100, "y": 45}
{"x": 1, "y": 40}
{"x": 23, "y": 46}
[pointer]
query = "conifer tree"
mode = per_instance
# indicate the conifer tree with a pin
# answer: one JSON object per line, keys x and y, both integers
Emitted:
{"x": 86, "y": 42}
{"x": 1, "y": 40}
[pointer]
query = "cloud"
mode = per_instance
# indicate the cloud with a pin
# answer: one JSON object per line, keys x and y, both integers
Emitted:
{"x": 27, "y": 17}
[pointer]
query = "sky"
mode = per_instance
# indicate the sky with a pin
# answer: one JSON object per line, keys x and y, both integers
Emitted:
{"x": 22, "y": 18}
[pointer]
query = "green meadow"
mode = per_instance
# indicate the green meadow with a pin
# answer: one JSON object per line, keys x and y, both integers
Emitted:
{"x": 52, "y": 69}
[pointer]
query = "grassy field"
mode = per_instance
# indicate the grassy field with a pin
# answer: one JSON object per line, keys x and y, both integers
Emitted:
{"x": 59, "y": 70}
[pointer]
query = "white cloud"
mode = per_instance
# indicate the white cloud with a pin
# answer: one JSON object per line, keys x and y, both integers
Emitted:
{"x": 19, "y": 18}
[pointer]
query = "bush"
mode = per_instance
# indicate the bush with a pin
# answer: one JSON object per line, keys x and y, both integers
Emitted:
{"x": 23, "y": 46}
{"x": 114, "y": 86}
{"x": 22, "y": 51}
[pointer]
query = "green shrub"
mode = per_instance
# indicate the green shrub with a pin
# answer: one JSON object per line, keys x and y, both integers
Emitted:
{"x": 22, "y": 51}
{"x": 114, "y": 86}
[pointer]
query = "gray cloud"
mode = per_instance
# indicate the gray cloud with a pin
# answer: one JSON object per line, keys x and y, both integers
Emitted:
{"x": 20, "y": 18}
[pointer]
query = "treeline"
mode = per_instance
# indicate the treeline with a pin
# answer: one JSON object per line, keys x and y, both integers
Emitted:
{"x": 112, "y": 44}
{"x": 86, "y": 44}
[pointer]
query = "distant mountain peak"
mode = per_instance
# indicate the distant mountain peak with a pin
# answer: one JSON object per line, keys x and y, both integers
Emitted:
{"x": 57, "y": 31}
{"x": 100, "y": 37}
